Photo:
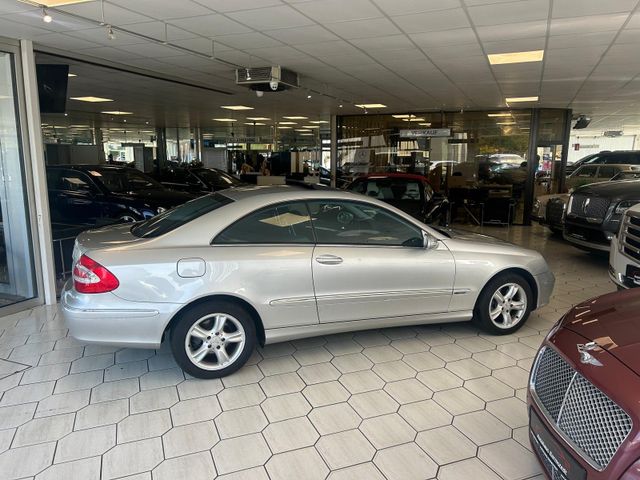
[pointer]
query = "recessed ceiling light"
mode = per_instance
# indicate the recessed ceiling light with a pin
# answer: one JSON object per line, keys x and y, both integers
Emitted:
{"x": 54, "y": 3}
{"x": 498, "y": 114}
{"x": 225, "y": 120}
{"x": 236, "y": 107}
{"x": 79, "y": 126}
{"x": 287, "y": 123}
{"x": 296, "y": 118}
{"x": 521, "y": 99}
{"x": 306, "y": 134}
{"x": 303, "y": 130}
{"x": 117, "y": 112}
{"x": 318, "y": 121}
{"x": 428, "y": 124}
{"x": 254, "y": 123}
{"x": 92, "y": 99}
{"x": 310, "y": 126}
{"x": 371, "y": 105}
{"x": 257, "y": 119}
{"x": 516, "y": 57}
{"x": 414, "y": 119}
{"x": 401, "y": 116}
{"x": 71, "y": 75}
{"x": 284, "y": 128}
{"x": 505, "y": 123}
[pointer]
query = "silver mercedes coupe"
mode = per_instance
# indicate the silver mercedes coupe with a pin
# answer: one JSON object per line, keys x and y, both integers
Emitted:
{"x": 258, "y": 265}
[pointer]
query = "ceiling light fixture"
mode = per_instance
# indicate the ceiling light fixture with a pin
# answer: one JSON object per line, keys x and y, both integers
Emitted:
{"x": 370, "y": 105}
{"x": 498, "y": 114}
{"x": 254, "y": 123}
{"x": 505, "y": 123}
{"x": 284, "y": 128}
{"x": 225, "y": 119}
{"x": 110, "y": 33}
{"x": 413, "y": 119}
{"x": 236, "y": 107}
{"x": 46, "y": 18}
{"x": 91, "y": 99}
{"x": 401, "y": 116}
{"x": 296, "y": 118}
{"x": 258, "y": 119}
{"x": 427, "y": 124}
{"x": 287, "y": 123}
{"x": 516, "y": 57}
{"x": 340, "y": 106}
{"x": 521, "y": 99}
{"x": 117, "y": 112}
{"x": 318, "y": 121}
{"x": 248, "y": 74}
{"x": 309, "y": 96}
{"x": 54, "y": 3}
{"x": 310, "y": 126}
{"x": 71, "y": 75}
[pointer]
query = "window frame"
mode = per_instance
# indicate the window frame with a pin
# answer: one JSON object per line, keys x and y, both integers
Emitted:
{"x": 94, "y": 188}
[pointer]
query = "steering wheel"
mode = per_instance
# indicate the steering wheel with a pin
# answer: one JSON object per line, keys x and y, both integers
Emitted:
{"x": 344, "y": 217}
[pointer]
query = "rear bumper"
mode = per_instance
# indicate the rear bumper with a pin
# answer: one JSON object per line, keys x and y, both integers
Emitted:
{"x": 545, "y": 281}
{"x": 107, "y": 319}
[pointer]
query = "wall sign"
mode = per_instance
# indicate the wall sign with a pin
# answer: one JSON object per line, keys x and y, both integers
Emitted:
{"x": 426, "y": 132}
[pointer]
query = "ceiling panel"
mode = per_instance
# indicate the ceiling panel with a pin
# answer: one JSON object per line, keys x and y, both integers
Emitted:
{"x": 167, "y": 11}
{"x": 406, "y": 7}
{"x": 302, "y": 35}
{"x": 156, "y": 29}
{"x": 584, "y": 39}
{"x": 591, "y": 7}
{"x": 458, "y": 36}
{"x": 100, "y": 35}
{"x": 432, "y": 21}
{"x": 210, "y": 25}
{"x": 497, "y": 33}
{"x": 515, "y": 45}
{"x": 62, "y": 41}
{"x": 248, "y": 40}
{"x": 112, "y": 13}
{"x": 509, "y": 13}
{"x": 597, "y": 23}
{"x": 237, "y": 5}
{"x": 330, "y": 11}
{"x": 271, "y": 18}
{"x": 392, "y": 42}
{"x": 364, "y": 28}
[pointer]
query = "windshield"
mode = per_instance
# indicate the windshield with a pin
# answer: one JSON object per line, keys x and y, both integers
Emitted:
{"x": 390, "y": 189}
{"x": 217, "y": 177}
{"x": 626, "y": 176}
{"x": 176, "y": 217}
{"x": 124, "y": 180}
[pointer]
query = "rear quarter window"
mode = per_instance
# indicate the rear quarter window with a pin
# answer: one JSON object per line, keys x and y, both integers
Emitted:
{"x": 176, "y": 217}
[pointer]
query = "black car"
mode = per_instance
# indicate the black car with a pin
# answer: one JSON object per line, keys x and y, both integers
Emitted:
{"x": 197, "y": 180}
{"x": 594, "y": 212}
{"x": 619, "y": 157}
{"x": 411, "y": 193}
{"x": 102, "y": 194}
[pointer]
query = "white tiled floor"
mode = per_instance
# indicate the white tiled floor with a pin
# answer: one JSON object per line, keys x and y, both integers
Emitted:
{"x": 442, "y": 402}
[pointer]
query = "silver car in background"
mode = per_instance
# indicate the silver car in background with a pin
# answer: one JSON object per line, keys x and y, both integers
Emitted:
{"x": 258, "y": 265}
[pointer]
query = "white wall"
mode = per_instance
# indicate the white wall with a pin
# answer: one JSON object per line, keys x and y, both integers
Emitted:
{"x": 590, "y": 144}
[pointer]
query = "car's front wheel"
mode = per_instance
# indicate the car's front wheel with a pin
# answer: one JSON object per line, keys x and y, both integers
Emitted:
{"x": 504, "y": 304}
{"x": 213, "y": 340}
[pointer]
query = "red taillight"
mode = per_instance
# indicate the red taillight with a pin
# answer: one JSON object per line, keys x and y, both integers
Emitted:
{"x": 91, "y": 277}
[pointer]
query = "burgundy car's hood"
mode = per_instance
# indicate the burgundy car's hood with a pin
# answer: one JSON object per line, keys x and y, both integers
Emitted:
{"x": 613, "y": 322}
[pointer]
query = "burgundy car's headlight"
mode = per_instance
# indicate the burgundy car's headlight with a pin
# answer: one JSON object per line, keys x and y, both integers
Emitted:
{"x": 633, "y": 472}
{"x": 555, "y": 328}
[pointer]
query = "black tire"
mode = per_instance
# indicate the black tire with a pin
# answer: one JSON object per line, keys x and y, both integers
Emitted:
{"x": 485, "y": 302}
{"x": 186, "y": 321}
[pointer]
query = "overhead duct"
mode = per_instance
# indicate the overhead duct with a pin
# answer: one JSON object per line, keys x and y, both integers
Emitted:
{"x": 267, "y": 79}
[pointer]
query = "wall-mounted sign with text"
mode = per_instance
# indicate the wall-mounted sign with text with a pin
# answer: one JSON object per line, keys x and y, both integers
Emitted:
{"x": 426, "y": 132}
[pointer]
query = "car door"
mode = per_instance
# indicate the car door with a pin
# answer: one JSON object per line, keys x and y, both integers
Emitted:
{"x": 265, "y": 257}
{"x": 76, "y": 198}
{"x": 371, "y": 263}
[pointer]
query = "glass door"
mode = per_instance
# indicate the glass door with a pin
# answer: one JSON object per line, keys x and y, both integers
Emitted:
{"x": 17, "y": 272}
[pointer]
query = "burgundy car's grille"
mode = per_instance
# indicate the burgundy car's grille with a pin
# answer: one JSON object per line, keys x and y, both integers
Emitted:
{"x": 588, "y": 207}
{"x": 630, "y": 236}
{"x": 555, "y": 211}
{"x": 586, "y": 417}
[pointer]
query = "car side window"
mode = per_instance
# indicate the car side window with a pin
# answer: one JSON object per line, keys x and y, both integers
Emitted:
{"x": 344, "y": 222}
{"x": 283, "y": 223}
{"x": 606, "y": 172}
{"x": 586, "y": 171}
{"x": 76, "y": 182}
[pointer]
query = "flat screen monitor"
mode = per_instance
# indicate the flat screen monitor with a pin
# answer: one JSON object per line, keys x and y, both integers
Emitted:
{"x": 52, "y": 87}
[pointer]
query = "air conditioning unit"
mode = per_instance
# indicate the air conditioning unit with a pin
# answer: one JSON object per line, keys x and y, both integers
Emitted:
{"x": 267, "y": 79}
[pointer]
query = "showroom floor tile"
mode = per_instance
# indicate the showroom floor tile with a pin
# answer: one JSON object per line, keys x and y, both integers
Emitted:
{"x": 443, "y": 402}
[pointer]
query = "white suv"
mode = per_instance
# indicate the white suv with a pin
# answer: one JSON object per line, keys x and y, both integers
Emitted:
{"x": 624, "y": 255}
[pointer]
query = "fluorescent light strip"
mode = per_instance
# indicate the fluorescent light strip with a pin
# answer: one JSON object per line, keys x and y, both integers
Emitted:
{"x": 258, "y": 119}
{"x": 287, "y": 123}
{"x": 254, "y": 123}
{"x": 318, "y": 121}
{"x": 91, "y": 99}
{"x": 521, "y": 99}
{"x": 371, "y": 105}
{"x": 498, "y": 114}
{"x": 117, "y": 112}
{"x": 296, "y": 118}
{"x": 236, "y": 107}
{"x": 516, "y": 57}
{"x": 225, "y": 119}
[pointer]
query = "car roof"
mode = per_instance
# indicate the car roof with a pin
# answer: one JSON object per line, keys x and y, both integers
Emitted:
{"x": 92, "y": 167}
{"x": 407, "y": 176}
{"x": 622, "y": 166}
{"x": 286, "y": 192}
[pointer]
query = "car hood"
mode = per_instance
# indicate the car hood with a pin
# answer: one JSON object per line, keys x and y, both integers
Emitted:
{"x": 471, "y": 236}
{"x": 157, "y": 197}
{"x": 612, "y": 322}
{"x": 622, "y": 189}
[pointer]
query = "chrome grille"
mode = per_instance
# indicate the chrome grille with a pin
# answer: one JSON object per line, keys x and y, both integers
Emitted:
{"x": 630, "y": 236}
{"x": 551, "y": 469}
{"x": 589, "y": 419}
{"x": 588, "y": 207}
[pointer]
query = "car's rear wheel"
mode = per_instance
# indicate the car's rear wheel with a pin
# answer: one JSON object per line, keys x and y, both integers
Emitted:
{"x": 213, "y": 340}
{"x": 504, "y": 304}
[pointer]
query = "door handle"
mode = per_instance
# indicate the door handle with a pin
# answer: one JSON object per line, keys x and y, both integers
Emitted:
{"x": 329, "y": 259}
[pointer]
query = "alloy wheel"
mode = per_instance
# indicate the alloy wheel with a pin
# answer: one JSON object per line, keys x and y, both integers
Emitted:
{"x": 215, "y": 341}
{"x": 508, "y": 305}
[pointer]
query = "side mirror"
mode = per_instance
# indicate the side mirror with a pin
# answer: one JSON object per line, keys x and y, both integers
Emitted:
{"x": 429, "y": 242}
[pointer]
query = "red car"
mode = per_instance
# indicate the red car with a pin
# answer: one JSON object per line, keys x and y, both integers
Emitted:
{"x": 409, "y": 192}
{"x": 584, "y": 392}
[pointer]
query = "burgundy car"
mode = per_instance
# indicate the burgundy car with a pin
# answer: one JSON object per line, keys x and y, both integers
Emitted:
{"x": 584, "y": 392}
{"x": 409, "y": 192}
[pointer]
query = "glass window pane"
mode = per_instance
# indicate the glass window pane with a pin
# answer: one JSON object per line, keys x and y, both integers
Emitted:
{"x": 283, "y": 223}
{"x": 17, "y": 273}
{"x": 355, "y": 223}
